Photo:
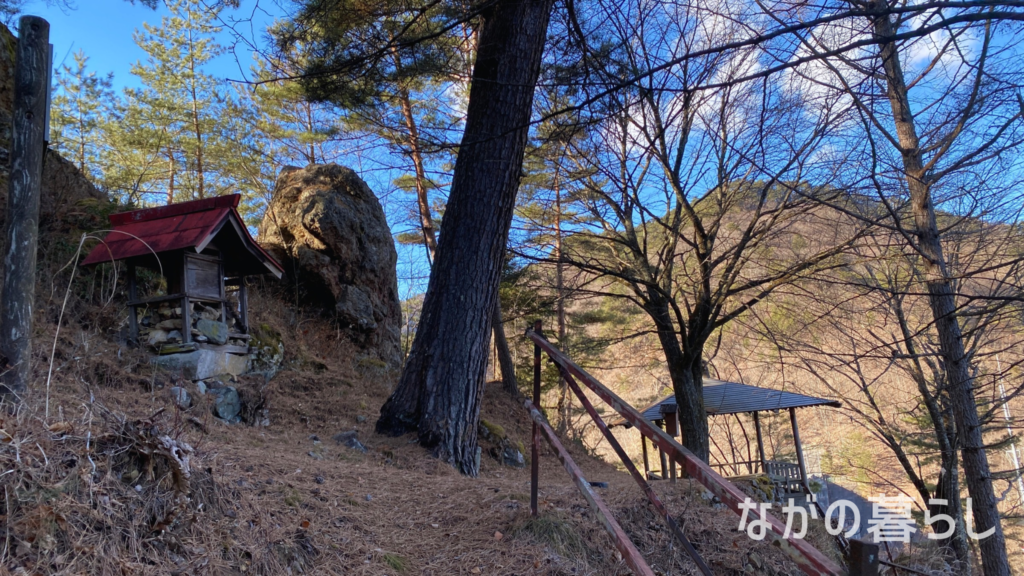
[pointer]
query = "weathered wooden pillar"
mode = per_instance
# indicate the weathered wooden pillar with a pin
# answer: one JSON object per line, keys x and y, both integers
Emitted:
{"x": 647, "y": 462}
{"x": 243, "y": 304}
{"x": 28, "y": 144}
{"x": 661, "y": 453}
{"x": 186, "y": 320}
{"x": 668, "y": 412}
{"x": 760, "y": 443}
{"x": 133, "y": 314}
{"x": 186, "y": 305}
{"x": 799, "y": 450}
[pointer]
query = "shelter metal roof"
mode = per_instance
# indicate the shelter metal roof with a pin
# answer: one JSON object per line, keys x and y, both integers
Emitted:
{"x": 176, "y": 227}
{"x": 732, "y": 397}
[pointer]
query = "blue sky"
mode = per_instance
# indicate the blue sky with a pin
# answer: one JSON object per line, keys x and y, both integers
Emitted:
{"x": 104, "y": 29}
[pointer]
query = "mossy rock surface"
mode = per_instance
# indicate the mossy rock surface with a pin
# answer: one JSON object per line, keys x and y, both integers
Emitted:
{"x": 267, "y": 350}
{"x": 495, "y": 432}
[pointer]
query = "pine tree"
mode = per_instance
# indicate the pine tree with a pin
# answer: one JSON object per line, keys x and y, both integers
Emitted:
{"x": 80, "y": 107}
{"x": 301, "y": 131}
{"x": 406, "y": 99}
{"x": 184, "y": 103}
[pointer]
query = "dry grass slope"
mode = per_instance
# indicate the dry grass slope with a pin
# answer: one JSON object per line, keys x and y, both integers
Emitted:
{"x": 117, "y": 480}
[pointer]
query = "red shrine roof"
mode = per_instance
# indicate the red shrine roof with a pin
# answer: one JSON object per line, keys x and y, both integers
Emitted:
{"x": 187, "y": 225}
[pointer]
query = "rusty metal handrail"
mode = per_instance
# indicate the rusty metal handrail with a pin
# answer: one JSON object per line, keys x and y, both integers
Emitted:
{"x": 807, "y": 557}
{"x": 622, "y": 542}
{"x": 659, "y": 506}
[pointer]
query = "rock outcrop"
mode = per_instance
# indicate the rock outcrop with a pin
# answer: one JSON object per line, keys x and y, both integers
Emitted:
{"x": 328, "y": 229}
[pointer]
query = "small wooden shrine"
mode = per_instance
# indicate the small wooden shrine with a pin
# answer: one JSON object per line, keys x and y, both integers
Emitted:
{"x": 202, "y": 252}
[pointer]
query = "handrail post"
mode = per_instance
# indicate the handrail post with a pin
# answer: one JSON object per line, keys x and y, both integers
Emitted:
{"x": 535, "y": 450}
{"x": 863, "y": 558}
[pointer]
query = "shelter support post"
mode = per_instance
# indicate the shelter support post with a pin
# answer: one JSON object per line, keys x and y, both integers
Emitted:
{"x": 186, "y": 320}
{"x": 647, "y": 462}
{"x": 760, "y": 443}
{"x": 661, "y": 452}
{"x": 133, "y": 313}
{"x": 186, "y": 306}
{"x": 799, "y": 450}
{"x": 668, "y": 413}
{"x": 243, "y": 304}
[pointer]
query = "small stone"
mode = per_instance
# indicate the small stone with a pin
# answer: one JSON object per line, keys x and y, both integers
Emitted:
{"x": 319, "y": 479}
{"x": 227, "y": 404}
{"x": 171, "y": 324}
{"x": 498, "y": 535}
{"x": 216, "y": 331}
{"x": 599, "y": 484}
{"x": 201, "y": 338}
{"x": 360, "y": 419}
{"x": 201, "y": 387}
{"x": 174, "y": 336}
{"x": 157, "y": 337}
{"x": 315, "y": 455}
{"x": 350, "y": 439}
{"x": 314, "y": 437}
{"x": 181, "y": 397}
{"x": 369, "y": 498}
{"x": 138, "y": 487}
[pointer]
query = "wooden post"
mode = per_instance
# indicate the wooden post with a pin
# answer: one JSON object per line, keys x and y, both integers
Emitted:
{"x": 760, "y": 443}
{"x": 223, "y": 293}
{"x": 133, "y": 313}
{"x": 647, "y": 462}
{"x": 186, "y": 320}
{"x": 799, "y": 450}
{"x": 661, "y": 453}
{"x": 535, "y": 452}
{"x": 243, "y": 304}
{"x": 31, "y": 89}
{"x": 186, "y": 306}
{"x": 668, "y": 413}
{"x": 863, "y": 558}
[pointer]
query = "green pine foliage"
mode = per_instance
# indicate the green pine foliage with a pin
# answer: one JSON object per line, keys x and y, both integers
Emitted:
{"x": 79, "y": 108}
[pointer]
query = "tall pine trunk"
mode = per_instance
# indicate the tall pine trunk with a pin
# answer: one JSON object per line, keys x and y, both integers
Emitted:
{"x": 438, "y": 395}
{"x": 943, "y": 304}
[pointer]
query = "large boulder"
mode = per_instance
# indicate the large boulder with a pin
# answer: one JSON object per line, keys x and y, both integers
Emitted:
{"x": 325, "y": 223}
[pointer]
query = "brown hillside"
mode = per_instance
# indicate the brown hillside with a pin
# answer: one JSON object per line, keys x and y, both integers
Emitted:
{"x": 286, "y": 498}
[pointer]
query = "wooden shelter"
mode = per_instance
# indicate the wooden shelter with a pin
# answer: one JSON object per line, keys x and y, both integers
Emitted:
{"x": 204, "y": 251}
{"x": 724, "y": 398}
